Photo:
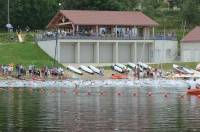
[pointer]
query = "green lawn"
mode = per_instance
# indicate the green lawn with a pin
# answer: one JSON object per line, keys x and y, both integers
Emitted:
{"x": 24, "y": 53}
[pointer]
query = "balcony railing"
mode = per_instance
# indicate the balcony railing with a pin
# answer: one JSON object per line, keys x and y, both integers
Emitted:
{"x": 53, "y": 36}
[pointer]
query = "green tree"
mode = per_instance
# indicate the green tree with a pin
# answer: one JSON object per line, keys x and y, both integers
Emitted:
{"x": 100, "y": 4}
{"x": 33, "y": 13}
{"x": 191, "y": 12}
{"x": 3, "y": 14}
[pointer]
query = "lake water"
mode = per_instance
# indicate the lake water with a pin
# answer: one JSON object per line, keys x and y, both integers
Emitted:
{"x": 100, "y": 109}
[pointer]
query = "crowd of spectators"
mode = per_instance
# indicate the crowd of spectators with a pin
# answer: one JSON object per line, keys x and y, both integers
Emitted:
{"x": 21, "y": 72}
{"x": 139, "y": 72}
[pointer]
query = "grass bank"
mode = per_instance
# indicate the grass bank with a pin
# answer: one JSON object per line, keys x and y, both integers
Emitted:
{"x": 24, "y": 53}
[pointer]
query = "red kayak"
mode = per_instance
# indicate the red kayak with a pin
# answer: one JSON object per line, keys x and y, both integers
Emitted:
{"x": 193, "y": 91}
{"x": 119, "y": 76}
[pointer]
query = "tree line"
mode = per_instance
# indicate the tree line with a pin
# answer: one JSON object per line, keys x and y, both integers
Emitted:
{"x": 37, "y": 13}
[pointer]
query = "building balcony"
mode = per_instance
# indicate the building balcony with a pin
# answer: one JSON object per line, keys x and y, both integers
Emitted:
{"x": 53, "y": 36}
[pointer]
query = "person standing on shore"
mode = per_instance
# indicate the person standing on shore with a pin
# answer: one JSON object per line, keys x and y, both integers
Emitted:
{"x": 138, "y": 72}
{"x": 17, "y": 70}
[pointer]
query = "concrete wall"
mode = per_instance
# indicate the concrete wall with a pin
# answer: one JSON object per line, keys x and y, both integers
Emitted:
{"x": 143, "y": 52}
{"x": 111, "y": 51}
{"x": 49, "y": 48}
{"x": 67, "y": 52}
{"x": 106, "y": 52}
{"x": 86, "y": 52}
{"x": 190, "y": 52}
{"x": 165, "y": 51}
{"x": 124, "y": 52}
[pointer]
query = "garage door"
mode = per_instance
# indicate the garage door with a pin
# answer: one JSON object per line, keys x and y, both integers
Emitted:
{"x": 86, "y": 53}
{"x": 186, "y": 56}
{"x": 140, "y": 52}
{"x": 67, "y": 53}
{"x": 143, "y": 52}
{"x": 124, "y": 53}
{"x": 106, "y": 53}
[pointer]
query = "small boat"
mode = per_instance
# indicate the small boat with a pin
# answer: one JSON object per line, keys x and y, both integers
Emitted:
{"x": 194, "y": 91}
{"x": 182, "y": 69}
{"x": 132, "y": 65}
{"x": 86, "y": 69}
{"x": 119, "y": 76}
{"x": 118, "y": 69}
{"x": 144, "y": 66}
{"x": 123, "y": 67}
{"x": 75, "y": 70}
{"x": 94, "y": 69}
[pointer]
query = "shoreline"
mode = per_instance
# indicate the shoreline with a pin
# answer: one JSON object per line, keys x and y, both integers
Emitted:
{"x": 71, "y": 83}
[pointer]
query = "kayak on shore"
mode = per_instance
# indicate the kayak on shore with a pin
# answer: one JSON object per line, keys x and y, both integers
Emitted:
{"x": 119, "y": 76}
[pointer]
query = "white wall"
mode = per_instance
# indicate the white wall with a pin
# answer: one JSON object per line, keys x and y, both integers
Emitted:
{"x": 67, "y": 52}
{"x": 165, "y": 51}
{"x": 190, "y": 52}
{"x": 160, "y": 51}
{"x": 49, "y": 48}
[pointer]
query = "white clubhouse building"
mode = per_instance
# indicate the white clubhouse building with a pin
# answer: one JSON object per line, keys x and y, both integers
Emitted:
{"x": 105, "y": 37}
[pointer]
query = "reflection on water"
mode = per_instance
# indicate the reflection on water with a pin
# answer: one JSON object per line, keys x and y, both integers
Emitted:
{"x": 89, "y": 110}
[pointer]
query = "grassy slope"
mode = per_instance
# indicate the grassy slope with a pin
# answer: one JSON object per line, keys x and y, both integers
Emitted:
{"x": 24, "y": 53}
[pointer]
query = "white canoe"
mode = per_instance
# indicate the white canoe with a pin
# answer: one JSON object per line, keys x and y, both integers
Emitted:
{"x": 86, "y": 69}
{"x": 143, "y": 65}
{"x": 94, "y": 69}
{"x": 75, "y": 70}
{"x": 132, "y": 65}
{"x": 118, "y": 69}
{"x": 121, "y": 66}
{"x": 182, "y": 69}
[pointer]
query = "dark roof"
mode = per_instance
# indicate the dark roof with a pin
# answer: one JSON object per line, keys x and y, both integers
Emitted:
{"x": 86, "y": 17}
{"x": 193, "y": 36}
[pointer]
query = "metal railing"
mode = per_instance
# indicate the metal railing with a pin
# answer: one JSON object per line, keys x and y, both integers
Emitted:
{"x": 52, "y": 36}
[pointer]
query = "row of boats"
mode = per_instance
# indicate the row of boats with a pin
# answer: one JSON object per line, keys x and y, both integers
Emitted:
{"x": 121, "y": 68}
{"x": 90, "y": 69}
{"x": 181, "y": 72}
